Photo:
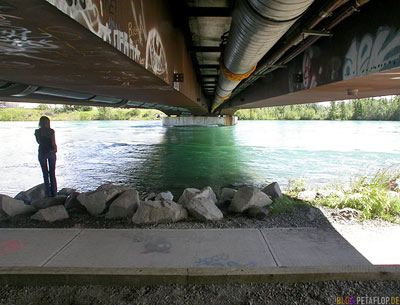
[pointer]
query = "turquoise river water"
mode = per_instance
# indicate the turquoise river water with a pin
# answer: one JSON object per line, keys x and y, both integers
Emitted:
{"x": 149, "y": 157}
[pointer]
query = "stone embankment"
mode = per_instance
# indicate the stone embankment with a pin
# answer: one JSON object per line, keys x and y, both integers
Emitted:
{"x": 120, "y": 202}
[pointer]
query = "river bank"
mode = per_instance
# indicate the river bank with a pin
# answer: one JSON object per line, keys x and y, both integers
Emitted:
{"x": 80, "y": 114}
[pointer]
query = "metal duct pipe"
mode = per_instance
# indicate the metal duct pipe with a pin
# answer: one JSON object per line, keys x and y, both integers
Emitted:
{"x": 256, "y": 26}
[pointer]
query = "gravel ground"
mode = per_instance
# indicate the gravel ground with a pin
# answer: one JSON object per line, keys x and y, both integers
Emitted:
{"x": 297, "y": 218}
{"x": 268, "y": 293}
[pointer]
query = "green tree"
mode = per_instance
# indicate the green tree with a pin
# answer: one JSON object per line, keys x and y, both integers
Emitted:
{"x": 42, "y": 107}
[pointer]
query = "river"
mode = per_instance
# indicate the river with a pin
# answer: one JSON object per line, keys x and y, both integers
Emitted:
{"x": 149, "y": 157}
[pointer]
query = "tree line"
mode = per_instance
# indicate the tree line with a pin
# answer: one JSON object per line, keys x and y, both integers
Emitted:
{"x": 368, "y": 109}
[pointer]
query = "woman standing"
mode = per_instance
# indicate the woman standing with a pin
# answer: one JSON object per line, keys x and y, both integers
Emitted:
{"x": 47, "y": 155}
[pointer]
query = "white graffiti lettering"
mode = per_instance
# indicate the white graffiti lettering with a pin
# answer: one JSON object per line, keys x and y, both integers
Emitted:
{"x": 88, "y": 16}
{"x": 140, "y": 24}
{"x": 156, "y": 60}
{"x": 19, "y": 41}
{"x": 372, "y": 54}
{"x": 125, "y": 45}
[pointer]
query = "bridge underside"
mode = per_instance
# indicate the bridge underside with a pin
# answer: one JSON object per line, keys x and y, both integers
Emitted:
{"x": 148, "y": 54}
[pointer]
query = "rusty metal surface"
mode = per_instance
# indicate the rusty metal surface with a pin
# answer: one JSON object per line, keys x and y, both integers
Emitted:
{"x": 363, "y": 54}
{"x": 42, "y": 46}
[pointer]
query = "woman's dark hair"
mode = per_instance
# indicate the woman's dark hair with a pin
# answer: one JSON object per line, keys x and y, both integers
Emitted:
{"x": 44, "y": 122}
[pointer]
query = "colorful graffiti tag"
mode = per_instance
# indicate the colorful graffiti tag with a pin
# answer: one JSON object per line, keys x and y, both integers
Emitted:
{"x": 372, "y": 53}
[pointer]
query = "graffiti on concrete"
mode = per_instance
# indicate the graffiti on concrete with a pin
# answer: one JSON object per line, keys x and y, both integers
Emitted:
{"x": 20, "y": 41}
{"x": 132, "y": 39}
{"x": 372, "y": 53}
{"x": 10, "y": 246}
{"x": 221, "y": 260}
{"x": 158, "y": 245}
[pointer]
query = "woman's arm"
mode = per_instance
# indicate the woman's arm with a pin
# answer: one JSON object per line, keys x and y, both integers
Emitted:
{"x": 53, "y": 142}
{"x": 36, "y": 136}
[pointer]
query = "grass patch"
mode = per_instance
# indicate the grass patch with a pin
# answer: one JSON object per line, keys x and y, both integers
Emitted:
{"x": 286, "y": 204}
{"x": 373, "y": 197}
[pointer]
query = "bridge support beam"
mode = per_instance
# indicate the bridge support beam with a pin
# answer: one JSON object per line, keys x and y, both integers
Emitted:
{"x": 199, "y": 121}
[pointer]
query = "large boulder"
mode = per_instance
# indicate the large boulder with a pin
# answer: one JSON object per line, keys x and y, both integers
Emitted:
{"x": 202, "y": 205}
{"x": 189, "y": 193}
{"x": 96, "y": 202}
{"x": 12, "y": 207}
{"x": 124, "y": 206}
{"x": 66, "y": 191}
{"x": 151, "y": 196}
{"x": 51, "y": 214}
{"x": 273, "y": 190}
{"x": 158, "y": 211}
{"x": 247, "y": 197}
{"x": 203, "y": 209}
{"x": 35, "y": 193}
{"x": 258, "y": 212}
{"x": 72, "y": 204}
{"x": 167, "y": 195}
{"x": 227, "y": 194}
{"x": 49, "y": 202}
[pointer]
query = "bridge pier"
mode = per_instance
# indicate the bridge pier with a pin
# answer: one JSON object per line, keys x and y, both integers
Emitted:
{"x": 199, "y": 121}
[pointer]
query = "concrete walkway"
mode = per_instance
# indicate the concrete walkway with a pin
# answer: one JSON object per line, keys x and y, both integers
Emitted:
{"x": 171, "y": 255}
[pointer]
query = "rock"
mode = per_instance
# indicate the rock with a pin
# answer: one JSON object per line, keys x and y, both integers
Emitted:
{"x": 124, "y": 206}
{"x": 35, "y": 193}
{"x": 203, "y": 208}
{"x": 66, "y": 191}
{"x": 12, "y": 207}
{"x": 49, "y": 202}
{"x": 96, "y": 202}
{"x": 227, "y": 194}
{"x": 258, "y": 212}
{"x": 187, "y": 195}
{"x": 346, "y": 214}
{"x": 247, "y": 197}
{"x": 150, "y": 196}
{"x": 150, "y": 212}
{"x": 165, "y": 196}
{"x": 72, "y": 203}
{"x": 273, "y": 190}
{"x": 307, "y": 195}
{"x": 51, "y": 214}
{"x": 201, "y": 204}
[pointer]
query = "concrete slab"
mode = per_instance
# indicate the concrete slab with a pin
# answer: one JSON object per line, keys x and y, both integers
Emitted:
{"x": 311, "y": 247}
{"x": 32, "y": 247}
{"x": 116, "y": 248}
{"x": 380, "y": 245}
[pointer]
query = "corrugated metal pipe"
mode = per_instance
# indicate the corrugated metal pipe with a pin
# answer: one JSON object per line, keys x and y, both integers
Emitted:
{"x": 256, "y": 26}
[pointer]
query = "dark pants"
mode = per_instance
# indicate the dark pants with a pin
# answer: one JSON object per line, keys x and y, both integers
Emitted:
{"x": 49, "y": 172}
